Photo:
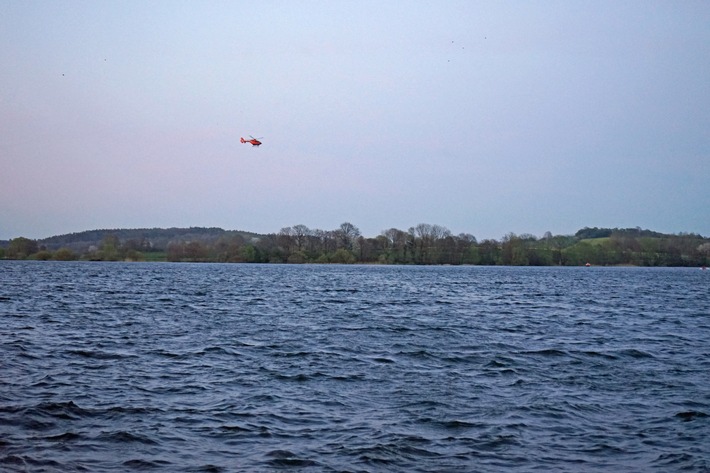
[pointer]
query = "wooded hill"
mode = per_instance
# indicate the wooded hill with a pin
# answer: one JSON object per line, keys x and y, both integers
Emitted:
{"x": 144, "y": 239}
{"x": 422, "y": 244}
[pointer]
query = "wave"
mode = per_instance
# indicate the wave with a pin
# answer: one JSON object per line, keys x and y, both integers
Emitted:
{"x": 228, "y": 367}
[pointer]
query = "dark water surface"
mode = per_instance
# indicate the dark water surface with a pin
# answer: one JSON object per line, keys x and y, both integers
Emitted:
{"x": 108, "y": 367}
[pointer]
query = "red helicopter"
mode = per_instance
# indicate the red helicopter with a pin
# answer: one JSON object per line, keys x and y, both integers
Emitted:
{"x": 253, "y": 141}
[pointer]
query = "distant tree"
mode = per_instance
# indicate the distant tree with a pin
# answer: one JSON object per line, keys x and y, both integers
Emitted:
{"x": 21, "y": 248}
{"x": 447, "y": 250}
{"x": 325, "y": 241}
{"x": 582, "y": 253}
{"x": 608, "y": 251}
{"x": 427, "y": 239}
{"x": 649, "y": 254}
{"x": 539, "y": 252}
{"x": 704, "y": 251}
{"x": 228, "y": 249}
{"x": 469, "y": 248}
{"x": 347, "y": 235}
{"x": 489, "y": 252}
{"x": 297, "y": 257}
{"x": 343, "y": 256}
{"x": 42, "y": 255}
{"x": 286, "y": 240}
{"x": 300, "y": 234}
{"x": 513, "y": 251}
{"x": 190, "y": 251}
{"x": 109, "y": 249}
{"x": 251, "y": 254}
{"x": 444, "y": 246}
{"x": 543, "y": 254}
{"x": 195, "y": 252}
{"x": 558, "y": 244}
{"x": 422, "y": 244}
{"x": 395, "y": 248}
{"x": 368, "y": 250}
{"x": 270, "y": 249}
{"x": 64, "y": 254}
{"x": 587, "y": 233}
{"x": 175, "y": 251}
{"x": 688, "y": 244}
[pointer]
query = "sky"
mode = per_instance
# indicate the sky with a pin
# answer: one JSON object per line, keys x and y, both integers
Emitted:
{"x": 484, "y": 117}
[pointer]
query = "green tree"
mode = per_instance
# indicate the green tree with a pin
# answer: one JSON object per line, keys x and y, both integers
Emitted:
{"x": 286, "y": 240}
{"x": 466, "y": 249}
{"x": 514, "y": 251}
{"x": 342, "y": 256}
{"x": 251, "y": 254}
{"x": 325, "y": 241}
{"x": 109, "y": 248}
{"x": 429, "y": 242}
{"x": 704, "y": 251}
{"x": 489, "y": 252}
{"x": 395, "y": 247}
{"x": 650, "y": 251}
{"x": 42, "y": 255}
{"x": 582, "y": 253}
{"x": 297, "y": 257}
{"x": 369, "y": 249}
{"x": 21, "y": 248}
{"x": 471, "y": 254}
{"x": 64, "y": 254}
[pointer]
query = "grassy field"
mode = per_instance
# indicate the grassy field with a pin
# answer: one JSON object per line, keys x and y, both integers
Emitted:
{"x": 155, "y": 256}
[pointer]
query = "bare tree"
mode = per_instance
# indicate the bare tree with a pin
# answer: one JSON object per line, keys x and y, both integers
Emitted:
{"x": 300, "y": 234}
{"x": 347, "y": 235}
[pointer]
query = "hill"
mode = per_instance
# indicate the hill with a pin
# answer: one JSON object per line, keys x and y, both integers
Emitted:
{"x": 423, "y": 244}
{"x": 144, "y": 239}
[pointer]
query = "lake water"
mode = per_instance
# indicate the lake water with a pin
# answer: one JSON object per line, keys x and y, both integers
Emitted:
{"x": 108, "y": 367}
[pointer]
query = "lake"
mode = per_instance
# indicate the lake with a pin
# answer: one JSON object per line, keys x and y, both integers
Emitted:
{"x": 108, "y": 367}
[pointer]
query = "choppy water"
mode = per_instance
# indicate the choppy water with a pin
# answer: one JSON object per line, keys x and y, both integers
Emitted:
{"x": 108, "y": 367}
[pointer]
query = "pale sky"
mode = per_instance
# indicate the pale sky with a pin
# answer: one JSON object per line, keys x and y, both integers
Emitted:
{"x": 485, "y": 117}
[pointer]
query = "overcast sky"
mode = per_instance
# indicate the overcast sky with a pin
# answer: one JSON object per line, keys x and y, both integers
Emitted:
{"x": 483, "y": 117}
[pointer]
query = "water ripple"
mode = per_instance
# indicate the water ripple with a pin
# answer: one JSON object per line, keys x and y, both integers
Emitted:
{"x": 111, "y": 367}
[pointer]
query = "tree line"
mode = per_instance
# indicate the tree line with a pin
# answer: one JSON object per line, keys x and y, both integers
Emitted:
{"x": 423, "y": 244}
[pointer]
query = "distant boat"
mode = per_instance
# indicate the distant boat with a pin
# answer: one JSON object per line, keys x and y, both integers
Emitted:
{"x": 587, "y": 265}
